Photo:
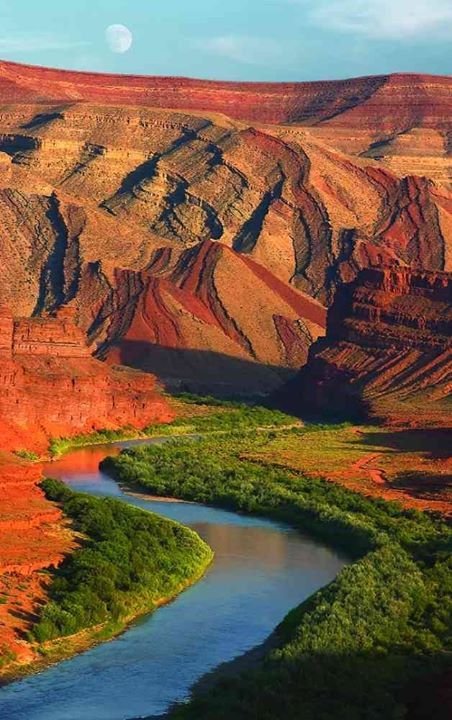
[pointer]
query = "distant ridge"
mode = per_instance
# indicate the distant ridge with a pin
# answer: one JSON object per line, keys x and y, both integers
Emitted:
{"x": 396, "y": 101}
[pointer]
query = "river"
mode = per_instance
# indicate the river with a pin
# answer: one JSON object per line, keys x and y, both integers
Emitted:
{"x": 261, "y": 570}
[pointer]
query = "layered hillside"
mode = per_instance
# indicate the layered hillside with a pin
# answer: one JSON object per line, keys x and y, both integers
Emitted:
{"x": 407, "y": 99}
{"x": 52, "y": 387}
{"x": 388, "y": 350}
{"x": 217, "y": 217}
{"x": 212, "y": 318}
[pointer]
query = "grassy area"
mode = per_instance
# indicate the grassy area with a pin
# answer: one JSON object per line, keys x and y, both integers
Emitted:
{"x": 317, "y": 449}
{"x": 130, "y": 561}
{"x": 59, "y": 446}
{"x": 195, "y": 415}
{"x": 27, "y": 455}
{"x": 415, "y": 464}
{"x": 352, "y": 650}
{"x": 223, "y": 417}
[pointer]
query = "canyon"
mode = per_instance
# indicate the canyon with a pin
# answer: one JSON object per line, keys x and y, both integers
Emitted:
{"x": 132, "y": 197}
{"x": 200, "y": 231}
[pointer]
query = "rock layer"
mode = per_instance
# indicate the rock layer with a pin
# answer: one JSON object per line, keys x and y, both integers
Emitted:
{"x": 406, "y": 99}
{"x": 388, "y": 350}
{"x": 109, "y": 198}
{"x": 52, "y": 387}
{"x": 209, "y": 318}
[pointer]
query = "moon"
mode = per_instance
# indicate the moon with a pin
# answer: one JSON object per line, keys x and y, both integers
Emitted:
{"x": 119, "y": 38}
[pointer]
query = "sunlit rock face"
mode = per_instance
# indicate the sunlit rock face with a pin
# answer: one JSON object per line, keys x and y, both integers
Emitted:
{"x": 388, "y": 351}
{"x": 201, "y": 217}
{"x": 52, "y": 387}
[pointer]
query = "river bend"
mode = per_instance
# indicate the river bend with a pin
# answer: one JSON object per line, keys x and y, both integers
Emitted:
{"x": 261, "y": 570}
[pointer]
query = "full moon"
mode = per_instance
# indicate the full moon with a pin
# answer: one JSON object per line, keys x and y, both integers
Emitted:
{"x": 119, "y": 38}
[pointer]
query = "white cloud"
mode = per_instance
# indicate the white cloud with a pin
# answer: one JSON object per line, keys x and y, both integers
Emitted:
{"x": 17, "y": 43}
{"x": 243, "y": 48}
{"x": 392, "y": 19}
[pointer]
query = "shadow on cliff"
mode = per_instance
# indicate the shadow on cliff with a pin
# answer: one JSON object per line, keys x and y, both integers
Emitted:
{"x": 434, "y": 443}
{"x": 203, "y": 371}
{"x": 316, "y": 396}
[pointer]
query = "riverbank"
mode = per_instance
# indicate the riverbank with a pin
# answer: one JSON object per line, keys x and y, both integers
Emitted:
{"x": 88, "y": 602}
{"x": 39, "y": 538}
{"x": 193, "y": 417}
{"x": 381, "y": 626}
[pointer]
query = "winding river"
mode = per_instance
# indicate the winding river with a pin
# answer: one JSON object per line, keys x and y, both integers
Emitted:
{"x": 261, "y": 570}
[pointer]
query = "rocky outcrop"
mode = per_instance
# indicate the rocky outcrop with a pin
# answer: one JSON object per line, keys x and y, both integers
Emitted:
{"x": 387, "y": 353}
{"x": 52, "y": 387}
{"x": 56, "y": 336}
{"x": 33, "y": 537}
{"x": 109, "y": 199}
{"x": 209, "y": 318}
{"x": 406, "y": 99}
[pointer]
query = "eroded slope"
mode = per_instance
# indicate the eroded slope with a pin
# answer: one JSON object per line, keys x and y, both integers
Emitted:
{"x": 387, "y": 353}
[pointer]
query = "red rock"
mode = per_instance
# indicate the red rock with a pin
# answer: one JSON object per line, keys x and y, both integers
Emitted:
{"x": 386, "y": 101}
{"x": 52, "y": 387}
{"x": 212, "y": 319}
{"x": 387, "y": 353}
{"x": 188, "y": 239}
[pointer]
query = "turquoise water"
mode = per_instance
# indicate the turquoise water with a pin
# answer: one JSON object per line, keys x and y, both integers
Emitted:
{"x": 261, "y": 570}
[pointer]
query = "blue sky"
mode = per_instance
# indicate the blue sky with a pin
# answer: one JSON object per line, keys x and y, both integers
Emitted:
{"x": 233, "y": 39}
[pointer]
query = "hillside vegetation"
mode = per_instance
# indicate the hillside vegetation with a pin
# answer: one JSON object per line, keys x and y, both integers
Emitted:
{"x": 355, "y": 648}
{"x": 128, "y": 562}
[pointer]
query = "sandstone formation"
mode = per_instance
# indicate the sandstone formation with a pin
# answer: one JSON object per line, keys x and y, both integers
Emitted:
{"x": 388, "y": 350}
{"x": 52, "y": 387}
{"x": 407, "y": 99}
{"x": 33, "y": 537}
{"x": 213, "y": 209}
{"x": 209, "y": 317}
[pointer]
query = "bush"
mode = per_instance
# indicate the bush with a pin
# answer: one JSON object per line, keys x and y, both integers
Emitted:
{"x": 129, "y": 560}
{"x": 349, "y": 651}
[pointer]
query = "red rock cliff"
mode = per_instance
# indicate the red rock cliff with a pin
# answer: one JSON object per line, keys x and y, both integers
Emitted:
{"x": 394, "y": 101}
{"x": 52, "y": 387}
{"x": 388, "y": 350}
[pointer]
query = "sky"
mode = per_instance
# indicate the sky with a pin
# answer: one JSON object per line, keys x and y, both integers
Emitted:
{"x": 270, "y": 40}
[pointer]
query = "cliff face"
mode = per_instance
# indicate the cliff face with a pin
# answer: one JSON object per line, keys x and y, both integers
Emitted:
{"x": 109, "y": 198}
{"x": 387, "y": 352}
{"x": 209, "y": 318}
{"x": 407, "y": 99}
{"x": 52, "y": 387}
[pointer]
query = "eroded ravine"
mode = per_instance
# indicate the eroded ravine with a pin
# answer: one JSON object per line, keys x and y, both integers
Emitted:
{"x": 261, "y": 570}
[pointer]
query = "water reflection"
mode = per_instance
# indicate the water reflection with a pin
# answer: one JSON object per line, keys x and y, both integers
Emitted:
{"x": 261, "y": 570}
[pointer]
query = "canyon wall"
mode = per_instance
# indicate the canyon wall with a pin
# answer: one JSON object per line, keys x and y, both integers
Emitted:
{"x": 407, "y": 99}
{"x": 52, "y": 387}
{"x": 387, "y": 353}
{"x": 188, "y": 221}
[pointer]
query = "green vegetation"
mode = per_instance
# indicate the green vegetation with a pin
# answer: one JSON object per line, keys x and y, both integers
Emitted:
{"x": 27, "y": 455}
{"x": 209, "y": 400}
{"x": 130, "y": 561}
{"x": 6, "y": 655}
{"x": 231, "y": 417}
{"x": 58, "y": 446}
{"x": 352, "y": 650}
